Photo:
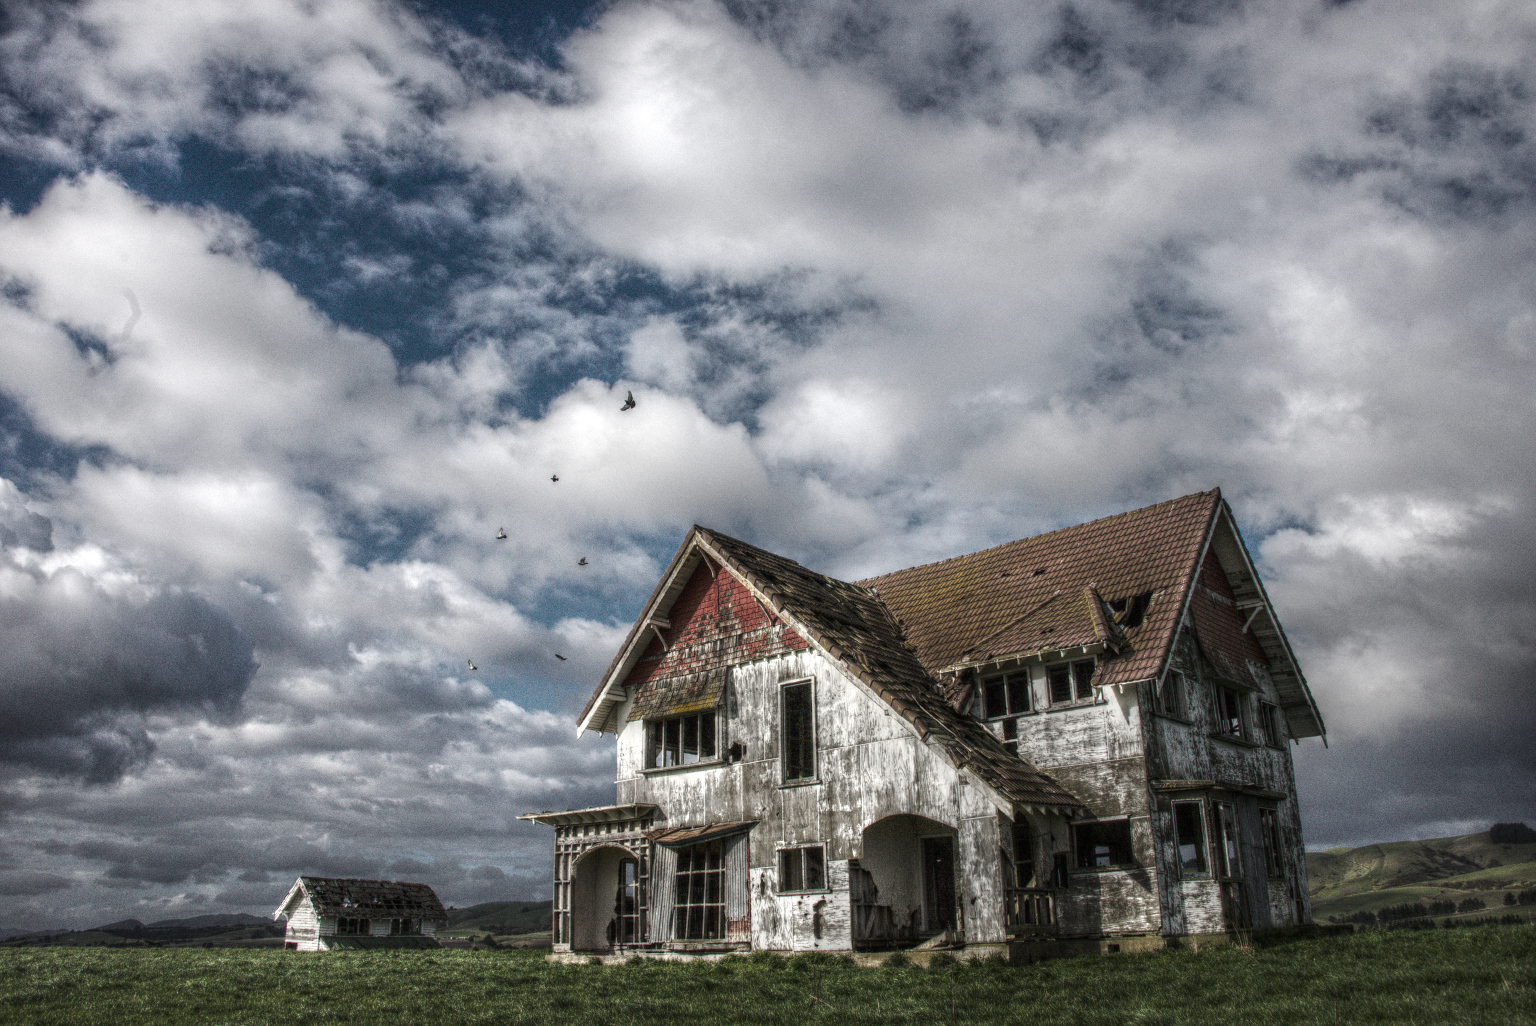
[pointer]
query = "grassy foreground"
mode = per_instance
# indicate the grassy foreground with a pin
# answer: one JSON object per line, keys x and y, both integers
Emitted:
{"x": 1478, "y": 975}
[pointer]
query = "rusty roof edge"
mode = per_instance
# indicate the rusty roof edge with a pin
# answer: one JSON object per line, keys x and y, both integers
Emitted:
{"x": 605, "y": 683}
{"x": 1269, "y": 607}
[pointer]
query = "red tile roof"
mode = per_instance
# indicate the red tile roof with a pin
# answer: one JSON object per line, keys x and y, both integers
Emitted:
{"x": 1031, "y": 596}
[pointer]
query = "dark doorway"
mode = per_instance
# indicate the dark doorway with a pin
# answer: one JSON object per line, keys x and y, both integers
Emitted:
{"x": 630, "y": 904}
{"x": 939, "y": 883}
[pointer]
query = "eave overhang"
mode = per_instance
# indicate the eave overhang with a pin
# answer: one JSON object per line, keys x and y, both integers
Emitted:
{"x": 584, "y": 817}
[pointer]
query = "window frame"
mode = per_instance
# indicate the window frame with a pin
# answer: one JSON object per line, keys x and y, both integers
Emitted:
{"x": 1228, "y": 864}
{"x": 1093, "y": 865}
{"x": 1203, "y": 869}
{"x": 699, "y": 879}
{"x": 1269, "y": 723}
{"x": 1225, "y": 693}
{"x": 1080, "y": 687}
{"x": 799, "y": 853}
{"x": 1007, "y": 681}
{"x": 1175, "y": 685}
{"x": 811, "y": 733}
{"x": 1274, "y": 841}
{"x": 657, "y": 727}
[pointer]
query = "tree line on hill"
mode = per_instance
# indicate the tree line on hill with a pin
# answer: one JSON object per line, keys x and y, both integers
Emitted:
{"x": 1394, "y": 914}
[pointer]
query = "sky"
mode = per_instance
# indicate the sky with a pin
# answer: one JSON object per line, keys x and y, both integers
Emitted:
{"x": 301, "y": 301}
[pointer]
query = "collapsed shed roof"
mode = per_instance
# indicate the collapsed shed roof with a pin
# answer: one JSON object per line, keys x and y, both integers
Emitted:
{"x": 364, "y": 899}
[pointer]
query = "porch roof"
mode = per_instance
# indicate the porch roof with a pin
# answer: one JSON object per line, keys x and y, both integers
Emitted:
{"x": 581, "y": 817}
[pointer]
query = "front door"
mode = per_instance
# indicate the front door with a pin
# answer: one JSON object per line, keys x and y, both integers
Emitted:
{"x": 939, "y": 883}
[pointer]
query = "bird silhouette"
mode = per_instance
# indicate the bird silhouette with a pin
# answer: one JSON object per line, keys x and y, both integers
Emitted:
{"x": 554, "y": 477}
{"x": 560, "y": 657}
{"x": 472, "y": 665}
{"x": 501, "y": 534}
{"x": 629, "y": 402}
{"x": 582, "y": 561}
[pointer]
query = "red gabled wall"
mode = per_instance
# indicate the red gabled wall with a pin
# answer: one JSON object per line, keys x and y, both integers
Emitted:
{"x": 1219, "y": 624}
{"x": 715, "y": 621}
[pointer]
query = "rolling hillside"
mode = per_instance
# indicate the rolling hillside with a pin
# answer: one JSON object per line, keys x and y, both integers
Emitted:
{"x": 501, "y": 918}
{"x": 1348, "y": 880}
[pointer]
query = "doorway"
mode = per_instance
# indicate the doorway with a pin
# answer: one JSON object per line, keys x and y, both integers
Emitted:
{"x": 939, "y": 883}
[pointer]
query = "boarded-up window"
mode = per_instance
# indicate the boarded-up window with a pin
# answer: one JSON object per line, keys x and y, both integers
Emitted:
{"x": 1103, "y": 844}
{"x": 698, "y": 906}
{"x": 799, "y": 734}
{"x": 1189, "y": 826}
{"x": 803, "y": 869}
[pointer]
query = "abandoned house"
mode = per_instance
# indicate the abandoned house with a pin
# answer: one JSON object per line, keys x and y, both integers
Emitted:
{"x": 1077, "y": 735}
{"x": 326, "y": 913}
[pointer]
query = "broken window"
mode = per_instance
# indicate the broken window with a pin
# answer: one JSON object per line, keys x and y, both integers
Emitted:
{"x": 352, "y": 927}
{"x": 404, "y": 927}
{"x": 682, "y": 740}
{"x": 799, "y": 735}
{"x": 1189, "y": 829}
{"x": 1011, "y": 736}
{"x": 1269, "y": 723}
{"x": 1229, "y": 713}
{"x": 803, "y": 869}
{"x": 1269, "y": 827}
{"x": 1103, "y": 844}
{"x": 1170, "y": 696}
{"x": 1070, "y": 682}
{"x": 1023, "y": 854}
{"x": 698, "y": 908}
{"x": 1229, "y": 859}
{"x": 1007, "y": 694}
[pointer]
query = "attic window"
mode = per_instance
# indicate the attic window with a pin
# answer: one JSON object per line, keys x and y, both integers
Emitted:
{"x": 1131, "y": 610}
{"x": 681, "y": 740}
{"x": 1007, "y": 694}
{"x": 1070, "y": 682}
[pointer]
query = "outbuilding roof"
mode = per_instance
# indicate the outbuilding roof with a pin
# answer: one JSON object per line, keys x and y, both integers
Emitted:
{"x": 364, "y": 899}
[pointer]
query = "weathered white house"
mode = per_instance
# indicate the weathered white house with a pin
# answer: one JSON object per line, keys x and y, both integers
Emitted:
{"x": 1078, "y": 735}
{"x": 326, "y": 913}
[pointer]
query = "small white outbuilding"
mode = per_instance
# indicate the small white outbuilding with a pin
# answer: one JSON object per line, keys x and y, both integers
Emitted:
{"x": 325, "y": 913}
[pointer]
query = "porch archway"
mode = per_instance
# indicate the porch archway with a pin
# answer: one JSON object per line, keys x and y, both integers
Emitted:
{"x": 608, "y": 900}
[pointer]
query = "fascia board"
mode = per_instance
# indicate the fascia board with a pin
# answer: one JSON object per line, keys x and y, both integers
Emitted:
{"x": 1285, "y": 642}
{"x": 630, "y": 651}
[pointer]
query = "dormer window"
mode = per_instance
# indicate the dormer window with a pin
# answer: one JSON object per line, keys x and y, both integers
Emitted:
{"x": 1006, "y": 694}
{"x": 1131, "y": 610}
{"x": 1070, "y": 682}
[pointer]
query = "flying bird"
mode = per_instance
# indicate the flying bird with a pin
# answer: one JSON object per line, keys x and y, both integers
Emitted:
{"x": 629, "y": 402}
{"x": 472, "y": 665}
{"x": 560, "y": 657}
{"x": 501, "y": 534}
{"x": 582, "y": 561}
{"x": 554, "y": 477}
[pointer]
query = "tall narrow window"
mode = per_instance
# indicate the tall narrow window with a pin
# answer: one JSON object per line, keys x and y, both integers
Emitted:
{"x": 1229, "y": 859}
{"x": 1023, "y": 854}
{"x": 799, "y": 735}
{"x": 698, "y": 908}
{"x": 1229, "y": 713}
{"x": 1011, "y": 736}
{"x": 631, "y": 902}
{"x": 1170, "y": 697}
{"x": 1189, "y": 826}
{"x": 1269, "y": 827}
{"x": 1269, "y": 723}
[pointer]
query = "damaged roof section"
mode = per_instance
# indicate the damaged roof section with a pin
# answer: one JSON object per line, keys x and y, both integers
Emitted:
{"x": 1037, "y": 595}
{"x": 855, "y": 628}
{"x": 679, "y": 694}
{"x": 335, "y": 896}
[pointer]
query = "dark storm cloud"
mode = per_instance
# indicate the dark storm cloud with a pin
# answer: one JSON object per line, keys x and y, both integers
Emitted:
{"x": 81, "y": 668}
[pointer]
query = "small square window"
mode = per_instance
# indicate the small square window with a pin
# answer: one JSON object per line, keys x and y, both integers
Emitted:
{"x": 1069, "y": 682}
{"x": 1103, "y": 844}
{"x": 802, "y": 869}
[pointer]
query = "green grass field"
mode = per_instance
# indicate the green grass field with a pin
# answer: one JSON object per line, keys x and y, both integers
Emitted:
{"x": 1478, "y": 975}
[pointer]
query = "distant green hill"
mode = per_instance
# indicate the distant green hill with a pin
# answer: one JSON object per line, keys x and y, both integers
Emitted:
{"x": 502, "y": 918}
{"x": 1348, "y": 880}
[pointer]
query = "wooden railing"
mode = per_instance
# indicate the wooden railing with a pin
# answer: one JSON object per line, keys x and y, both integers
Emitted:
{"x": 1029, "y": 911}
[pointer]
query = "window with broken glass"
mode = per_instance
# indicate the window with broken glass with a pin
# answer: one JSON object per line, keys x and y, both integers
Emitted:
{"x": 798, "y": 701}
{"x": 1269, "y": 723}
{"x": 1269, "y": 827}
{"x": 1170, "y": 695}
{"x": 353, "y": 927}
{"x": 1189, "y": 829}
{"x": 681, "y": 740}
{"x": 698, "y": 906}
{"x": 1230, "y": 721}
{"x": 1070, "y": 682}
{"x": 1104, "y": 844}
{"x": 404, "y": 927}
{"x": 803, "y": 869}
